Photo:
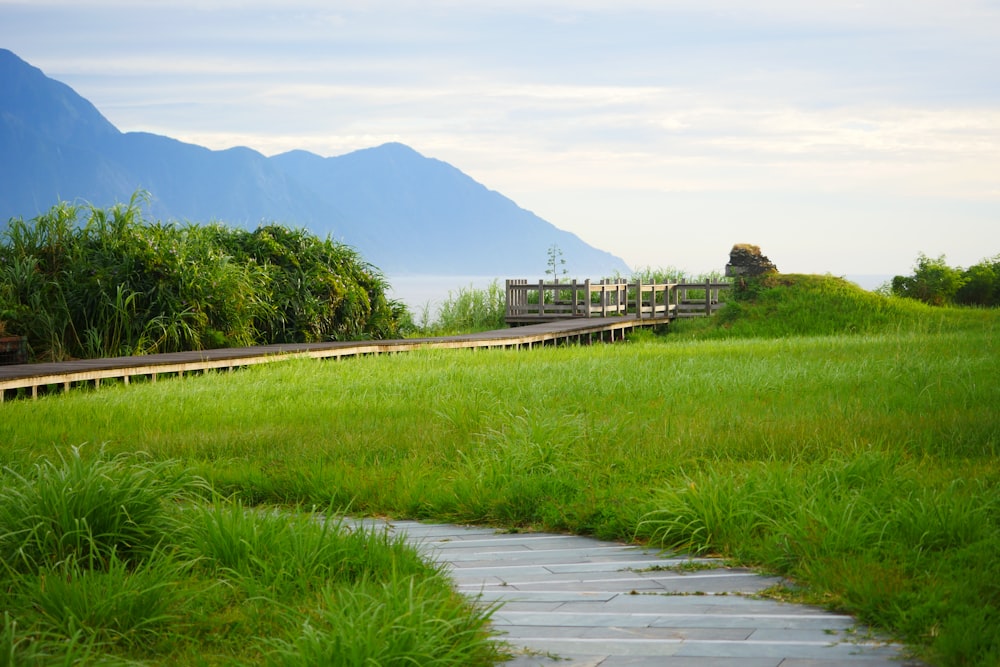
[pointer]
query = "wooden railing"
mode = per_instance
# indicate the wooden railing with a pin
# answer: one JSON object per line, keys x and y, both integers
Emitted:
{"x": 555, "y": 300}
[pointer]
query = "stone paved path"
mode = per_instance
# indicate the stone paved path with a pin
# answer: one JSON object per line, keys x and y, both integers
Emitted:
{"x": 576, "y": 601}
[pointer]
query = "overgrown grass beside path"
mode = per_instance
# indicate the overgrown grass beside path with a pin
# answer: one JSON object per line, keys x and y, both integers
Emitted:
{"x": 115, "y": 561}
{"x": 855, "y": 451}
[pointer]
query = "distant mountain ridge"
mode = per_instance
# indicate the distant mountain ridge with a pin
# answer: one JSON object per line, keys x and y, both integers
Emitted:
{"x": 404, "y": 212}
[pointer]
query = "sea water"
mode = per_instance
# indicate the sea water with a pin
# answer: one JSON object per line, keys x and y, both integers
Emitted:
{"x": 429, "y": 291}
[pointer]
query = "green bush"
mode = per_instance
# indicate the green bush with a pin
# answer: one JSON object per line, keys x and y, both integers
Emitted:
{"x": 981, "y": 284}
{"x": 89, "y": 282}
{"x": 933, "y": 282}
{"x": 937, "y": 284}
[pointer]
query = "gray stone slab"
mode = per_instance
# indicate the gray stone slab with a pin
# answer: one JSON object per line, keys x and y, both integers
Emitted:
{"x": 534, "y": 659}
{"x": 621, "y": 586}
{"x": 538, "y": 542}
{"x": 514, "y": 606}
{"x": 694, "y": 648}
{"x": 533, "y": 575}
{"x": 675, "y": 661}
{"x": 806, "y": 635}
{"x": 505, "y": 617}
{"x": 623, "y": 582}
{"x": 582, "y": 646}
{"x": 603, "y": 565}
{"x": 515, "y": 553}
{"x": 621, "y": 631}
{"x": 530, "y": 567}
{"x": 844, "y": 652}
{"x": 502, "y": 570}
{"x": 769, "y": 627}
{"x": 638, "y": 661}
{"x": 722, "y": 582}
{"x": 562, "y": 597}
{"x": 861, "y": 661}
{"x": 821, "y": 623}
{"x": 728, "y": 604}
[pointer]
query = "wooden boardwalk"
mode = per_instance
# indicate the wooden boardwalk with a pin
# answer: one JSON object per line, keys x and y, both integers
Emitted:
{"x": 542, "y": 313}
{"x": 554, "y": 300}
{"x": 33, "y": 379}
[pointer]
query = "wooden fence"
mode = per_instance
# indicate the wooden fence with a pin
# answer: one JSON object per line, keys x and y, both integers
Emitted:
{"x": 547, "y": 301}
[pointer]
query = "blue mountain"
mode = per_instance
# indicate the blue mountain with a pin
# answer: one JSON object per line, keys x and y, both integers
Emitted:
{"x": 405, "y": 213}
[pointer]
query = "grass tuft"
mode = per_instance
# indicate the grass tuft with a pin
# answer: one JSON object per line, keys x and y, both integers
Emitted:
{"x": 402, "y": 620}
{"x": 90, "y": 512}
{"x": 109, "y": 560}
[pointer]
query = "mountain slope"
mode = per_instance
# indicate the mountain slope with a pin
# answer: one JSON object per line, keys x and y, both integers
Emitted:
{"x": 51, "y": 141}
{"x": 429, "y": 208}
{"x": 404, "y": 212}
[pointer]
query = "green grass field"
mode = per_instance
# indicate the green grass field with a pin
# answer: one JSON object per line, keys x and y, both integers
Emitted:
{"x": 847, "y": 441}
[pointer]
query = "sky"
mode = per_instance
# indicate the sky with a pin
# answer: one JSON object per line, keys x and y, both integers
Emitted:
{"x": 842, "y": 137}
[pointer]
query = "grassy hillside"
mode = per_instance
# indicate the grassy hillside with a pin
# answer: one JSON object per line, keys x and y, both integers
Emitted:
{"x": 783, "y": 305}
{"x": 847, "y": 441}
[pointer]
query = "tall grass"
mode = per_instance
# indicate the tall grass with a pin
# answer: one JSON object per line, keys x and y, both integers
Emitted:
{"x": 90, "y": 282}
{"x": 467, "y": 309}
{"x": 112, "y": 560}
{"x": 73, "y": 511}
{"x": 865, "y": 532}
{"x": 863, "y": 466}
{"x": 670, "y": 274}
{"x": 404, "y": 620}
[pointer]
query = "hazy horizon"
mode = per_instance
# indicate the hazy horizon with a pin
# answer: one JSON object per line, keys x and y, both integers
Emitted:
{"x": 419, "y": 291}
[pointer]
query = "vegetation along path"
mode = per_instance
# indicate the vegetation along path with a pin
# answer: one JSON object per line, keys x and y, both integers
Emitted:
{"x": 569, "y": 600}
{"x": 43, "y": 376}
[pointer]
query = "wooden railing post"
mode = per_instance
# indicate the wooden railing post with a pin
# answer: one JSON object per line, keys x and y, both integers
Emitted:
{"x": 666, "y": 300}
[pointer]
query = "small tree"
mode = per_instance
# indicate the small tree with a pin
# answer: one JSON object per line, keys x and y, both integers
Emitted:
{"x": 981, "y": 285}
{"x": 933, "y": 282}
{"x": 556, "y": 263}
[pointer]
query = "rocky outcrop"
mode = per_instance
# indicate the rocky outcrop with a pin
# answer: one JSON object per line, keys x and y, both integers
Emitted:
{"x": 746, "y": 261}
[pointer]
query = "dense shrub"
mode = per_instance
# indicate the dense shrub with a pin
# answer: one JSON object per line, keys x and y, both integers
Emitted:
{"x": 936, "y": 283}
{"x": 981, "y": 284}
{"x": 90, "y": 282}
